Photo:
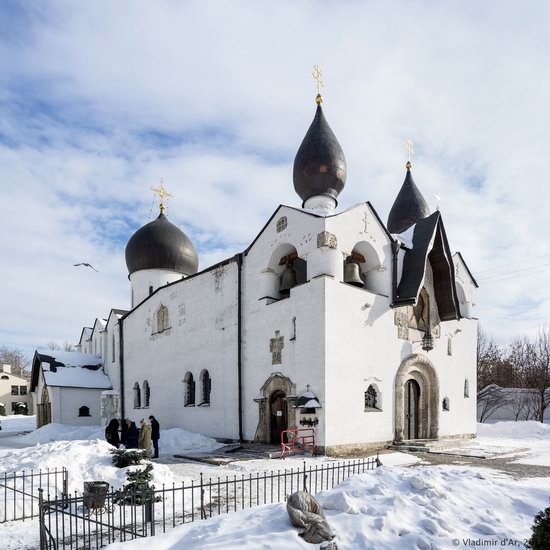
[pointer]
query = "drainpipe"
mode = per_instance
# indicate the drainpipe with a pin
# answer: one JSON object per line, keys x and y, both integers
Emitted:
{"x": 239, "y": 258}
{"x": 121, "y": 360}
{"x": 395, "y": 246}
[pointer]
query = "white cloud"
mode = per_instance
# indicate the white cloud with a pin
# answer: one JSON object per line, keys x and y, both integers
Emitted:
{"x": 102, "y": 100}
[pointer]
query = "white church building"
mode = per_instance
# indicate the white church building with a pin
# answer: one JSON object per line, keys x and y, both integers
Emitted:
{"x": 335, "y": 320}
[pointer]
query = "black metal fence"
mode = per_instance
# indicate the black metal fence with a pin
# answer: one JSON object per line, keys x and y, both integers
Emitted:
{"x": 19, "y": 491}
{"x": 89, "y": 521}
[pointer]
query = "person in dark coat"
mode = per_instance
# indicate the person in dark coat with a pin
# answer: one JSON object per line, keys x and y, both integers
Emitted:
{"x": 132, "y": 436}
{"x": 111, "y": 433}
{"x": 155, "y": 434}
{"x": 125, "y": 424}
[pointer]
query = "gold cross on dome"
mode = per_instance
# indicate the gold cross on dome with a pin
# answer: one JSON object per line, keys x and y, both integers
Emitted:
{"x": 320, "y": 83}
{"x": 162, "y": 193}
{"x": 410, "y": 151}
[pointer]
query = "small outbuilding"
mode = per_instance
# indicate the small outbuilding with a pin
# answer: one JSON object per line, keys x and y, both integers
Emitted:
{"x": 66, "y": 387}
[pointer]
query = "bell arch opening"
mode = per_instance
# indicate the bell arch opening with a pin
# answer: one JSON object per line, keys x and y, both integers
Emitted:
{"x": 416, "y": 414}
{"x": 284, "y": 271}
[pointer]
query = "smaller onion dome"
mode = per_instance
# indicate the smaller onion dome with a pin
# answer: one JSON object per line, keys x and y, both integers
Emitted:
{"x": 161, "y": 245}
{"x": 320, "y": 165}
{"x": 409, "y": 206}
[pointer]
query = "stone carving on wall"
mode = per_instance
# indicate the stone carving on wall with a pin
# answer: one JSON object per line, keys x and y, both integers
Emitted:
{"x": 276, "y": 346}
{"x": 327, "y": 239}
{"x": 181, "y": 315}
{"x": 219, "y": 275}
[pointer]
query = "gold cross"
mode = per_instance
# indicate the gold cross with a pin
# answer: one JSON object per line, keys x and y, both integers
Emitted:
{"x": 161, "y": 192}
{"x": 410, "y": 151}
{"x": 320, "y": 83}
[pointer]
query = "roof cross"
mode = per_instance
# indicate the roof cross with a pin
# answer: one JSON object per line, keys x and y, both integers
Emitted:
{"x": 410, "y": 151}
{"x": 320, "y": 83}
{"x": 162, "y": 193}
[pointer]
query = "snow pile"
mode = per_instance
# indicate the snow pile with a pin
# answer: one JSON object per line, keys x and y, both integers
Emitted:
{"x": 526, "y": 429}
{"x": 172, "y": 441}
{"x": 419, "y": 508}
{"x": 61, "y": 432}
{"x": 89, "y": 460}
{"x": 528, "y": 437}
{"x": 177, "y": 440}
{"x": 17, "y": 423}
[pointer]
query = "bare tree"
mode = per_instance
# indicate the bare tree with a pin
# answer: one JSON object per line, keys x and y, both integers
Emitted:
{"x": 519, "y": 400}
{"x": 489, "y": 400}
{"x": 489, "y": 358}
{"x": 53, "y": 345}
{"x": 16, "y": 358}
{"x": 67, "y": 346}
{"x": 531, "y": 360}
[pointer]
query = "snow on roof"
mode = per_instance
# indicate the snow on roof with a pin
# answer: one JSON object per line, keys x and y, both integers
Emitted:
{"x": 86, "y": 333}
{"x": 406, "y": 237}
{"x": 73, "y": 369}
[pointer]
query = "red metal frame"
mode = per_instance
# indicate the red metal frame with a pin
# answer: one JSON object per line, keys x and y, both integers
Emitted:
{"x": 297, "y": 440}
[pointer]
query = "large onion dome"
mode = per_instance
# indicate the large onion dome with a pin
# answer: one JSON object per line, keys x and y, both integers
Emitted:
{"x": 161, "y": 245}
{"x": 320, "y": 165}
{"x": 409, "y": 206}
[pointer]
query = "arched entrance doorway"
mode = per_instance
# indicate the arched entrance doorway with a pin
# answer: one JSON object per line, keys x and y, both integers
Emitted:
{"x": 278, "y": 414}
{"x": 416, "y": 399}
{"x": 275, "y": 408}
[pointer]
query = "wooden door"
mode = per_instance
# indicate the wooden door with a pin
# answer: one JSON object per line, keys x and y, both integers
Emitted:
{"x": 412, "y": 417}
{"x": 279, "y": 415}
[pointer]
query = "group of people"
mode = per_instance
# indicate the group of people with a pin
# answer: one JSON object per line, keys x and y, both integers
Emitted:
{"x": 132, "y": 437}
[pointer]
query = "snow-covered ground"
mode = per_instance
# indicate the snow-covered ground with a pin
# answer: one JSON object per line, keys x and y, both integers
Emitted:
{"x": 17, "y": 423}
{"x": 389, "y": 508}
{"x": 392, "y": 507}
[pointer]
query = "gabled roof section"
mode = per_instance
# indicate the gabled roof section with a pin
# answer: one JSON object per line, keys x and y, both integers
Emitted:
{"x": 461, "y": 258}
{"x": 430, "y": 244}
{"x": 99, "y": 324}
{"x": 116, "y": 314}
{"x": 86, "y": 334}
{"x": 68, "y": 369}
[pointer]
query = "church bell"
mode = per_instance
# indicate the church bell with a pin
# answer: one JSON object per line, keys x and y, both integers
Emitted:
{"x": 352, "y": 275}
{"x": 288, "y": 279}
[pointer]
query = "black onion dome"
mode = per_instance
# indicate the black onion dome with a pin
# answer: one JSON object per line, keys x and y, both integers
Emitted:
{"x": 409, "y": 206}
{"x": 161, "y": 245}
{"x": 320, "y": 164}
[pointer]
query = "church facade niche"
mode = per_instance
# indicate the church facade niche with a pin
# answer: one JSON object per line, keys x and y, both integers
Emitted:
{"x": 373, "y": 398}
{"x": 162, "y": 320}
{"x": 419, "y": 314}
{"x": 84, "y": 411}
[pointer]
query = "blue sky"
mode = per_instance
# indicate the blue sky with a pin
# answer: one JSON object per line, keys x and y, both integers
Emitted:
{"x": 101, "y": 100}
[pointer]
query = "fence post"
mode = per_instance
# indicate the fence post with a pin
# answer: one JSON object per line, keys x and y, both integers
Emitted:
{"x": 41, "y": 518}
{"x": 378, "y": 463}
{"x": 305, "y": 477}
{"x": 65, "y": 490}
{"x": 203, "y": 511}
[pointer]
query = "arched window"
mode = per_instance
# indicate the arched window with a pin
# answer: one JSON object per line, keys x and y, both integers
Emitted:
{"x": 449, "y": 346}
{"x": 146, "y": 394}
{"x": 150, "y": 290}
{"x": 5, "y": 377}
{"x": 206, "y": 383}
{"x": 445, "y": 403}
{"x": 137, "y": 396}
{"x": 84, "y": 411}
{"x": 113, "y": 347}
{"x": 372, "y": 399}
{"x": 466, "y": 388}
{"x": 189, "y": 390}
{"x": 162, "y": 318}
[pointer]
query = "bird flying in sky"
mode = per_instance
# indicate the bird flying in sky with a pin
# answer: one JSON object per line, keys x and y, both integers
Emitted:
{"x": 86, "y": 265}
